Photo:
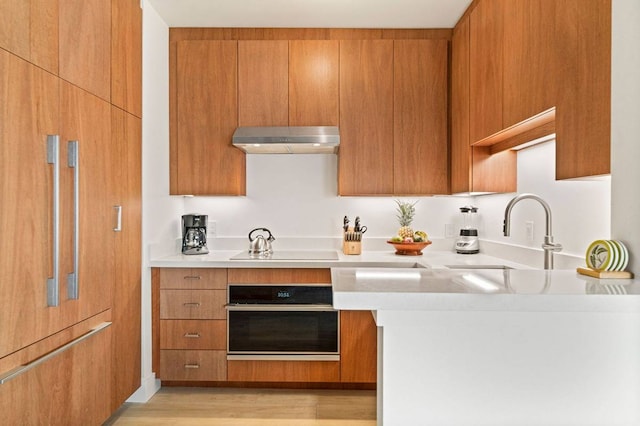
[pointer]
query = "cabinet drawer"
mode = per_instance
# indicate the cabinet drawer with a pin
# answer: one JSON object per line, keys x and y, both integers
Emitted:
{"x": 193, "y": 278}
{"x": 193, "y": 304}
{"x": 193, "y": 334}
{"x": 193, "y": 365}
{"x": 284, "y": 371}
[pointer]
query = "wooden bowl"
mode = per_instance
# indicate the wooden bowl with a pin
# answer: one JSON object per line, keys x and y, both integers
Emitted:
{"x": 409, "y": 249}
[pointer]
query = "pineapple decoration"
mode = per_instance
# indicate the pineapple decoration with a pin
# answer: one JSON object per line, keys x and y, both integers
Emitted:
{"x": 406, "y": 211}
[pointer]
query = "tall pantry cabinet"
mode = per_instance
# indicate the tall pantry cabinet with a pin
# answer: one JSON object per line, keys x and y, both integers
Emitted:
{"x": 69, "y": 71}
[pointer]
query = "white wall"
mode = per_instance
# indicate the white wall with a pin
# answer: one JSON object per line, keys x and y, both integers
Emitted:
{"x": 295, "y": 196}
{"x": 158, "y": 209}
{"x": 625, "y": 127}
{"x": 580, "y": 208}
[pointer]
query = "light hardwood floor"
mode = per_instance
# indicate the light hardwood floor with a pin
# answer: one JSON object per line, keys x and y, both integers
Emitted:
{"x": 251, "y": 407}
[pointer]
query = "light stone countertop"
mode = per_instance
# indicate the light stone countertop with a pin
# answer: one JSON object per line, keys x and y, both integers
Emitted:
{"x": 515, "y": 290}
{"x": 436, "y": 259}
{"x": 381, "y": 280}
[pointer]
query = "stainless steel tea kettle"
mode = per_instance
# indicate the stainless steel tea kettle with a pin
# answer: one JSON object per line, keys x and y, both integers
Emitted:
{"x": 260, "y": 245}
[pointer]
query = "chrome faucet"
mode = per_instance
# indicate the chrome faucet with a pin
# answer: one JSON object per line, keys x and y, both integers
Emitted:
{"x": 548, "y": 246}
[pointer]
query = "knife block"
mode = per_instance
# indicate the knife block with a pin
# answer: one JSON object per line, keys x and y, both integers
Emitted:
{"x": 351, "y": 247}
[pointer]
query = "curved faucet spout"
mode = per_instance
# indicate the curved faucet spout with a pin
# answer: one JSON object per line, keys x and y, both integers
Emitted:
{"x": 548, "y": 246}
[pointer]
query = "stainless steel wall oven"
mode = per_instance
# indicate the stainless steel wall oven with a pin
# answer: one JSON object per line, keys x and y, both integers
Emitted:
{"x": 282, "y": 322}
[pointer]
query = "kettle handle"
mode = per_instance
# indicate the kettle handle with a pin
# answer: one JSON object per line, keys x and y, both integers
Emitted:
{"x": 270, "y": 238}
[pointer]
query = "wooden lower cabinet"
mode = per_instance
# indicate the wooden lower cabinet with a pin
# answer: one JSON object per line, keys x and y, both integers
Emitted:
{"x": 193, "y": 334}
{"x": 193, "y": 365}
{"x": 358, "y": 347}
{"x": 190, "y": 332}
{"x": 284, "y": 371}
{"x": 67, "y": 389}
{"x": 193, "y": 304}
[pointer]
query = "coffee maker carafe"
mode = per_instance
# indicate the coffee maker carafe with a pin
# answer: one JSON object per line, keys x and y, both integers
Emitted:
{"x": 194, "y": 234}
{"x": 468, "y": 242}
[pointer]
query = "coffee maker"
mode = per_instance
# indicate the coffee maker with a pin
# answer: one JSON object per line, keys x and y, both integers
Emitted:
{"x": 194, "y": 234}
{"x": 468, "y": 242}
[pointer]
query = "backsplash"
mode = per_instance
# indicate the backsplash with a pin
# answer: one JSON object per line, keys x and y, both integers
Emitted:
{"x": 295, "y": 197}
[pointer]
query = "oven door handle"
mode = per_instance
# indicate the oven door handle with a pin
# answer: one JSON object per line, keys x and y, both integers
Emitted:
{"x": 274, "y": 308}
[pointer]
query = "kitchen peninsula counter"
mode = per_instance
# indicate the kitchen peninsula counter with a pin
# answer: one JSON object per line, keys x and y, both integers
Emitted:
{"x": 459, "y": 345}
{"x": 500, "y": 347}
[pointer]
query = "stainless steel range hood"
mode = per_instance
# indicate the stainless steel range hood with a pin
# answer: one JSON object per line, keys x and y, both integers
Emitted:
{"x": 287, "y": 140}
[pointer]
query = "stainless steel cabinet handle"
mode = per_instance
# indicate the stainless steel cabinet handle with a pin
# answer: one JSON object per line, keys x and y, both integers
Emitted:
{"x": 73, "y": 162}
{"x": 192, "y": 335}
{"x": 192, "y": 366}
{"x": 192, "y": 304}
{"x": 4, "y": 378}
{"x": 289, "y": 308}
{"x": 118, "y": 227}
{"x": 53, "y": 145}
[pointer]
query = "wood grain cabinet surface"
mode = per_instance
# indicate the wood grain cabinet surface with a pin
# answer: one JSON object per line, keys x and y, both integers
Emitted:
{"x": 366, "y": 118}
{"x": 393, "y": 117}
{"x": 56, "y": 79}
{"x": 202, "y": 159}
{"x": 126, "y": 55}
{"x": 486, "y": 39}
{"x": 528, "y": 57}
{"x": 85, "y": 45}
{"x": 191, "y": 326}
{"x": 190, "y": 348}
{"x": 358, "y": 347}
{"x": 420, "y": 105}
{"x": 313, "y": 82}
{"x": 126, "y": 136}
{"x": 263, "y": 91}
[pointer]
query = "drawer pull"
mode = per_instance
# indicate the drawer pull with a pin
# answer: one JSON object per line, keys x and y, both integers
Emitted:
{"x": 4, "y": 378}
{"x": 192, "y": 335}
{"x": 192, "y": 366}
{"x": 192, "y": 277}
{"x": 192, "y": 304}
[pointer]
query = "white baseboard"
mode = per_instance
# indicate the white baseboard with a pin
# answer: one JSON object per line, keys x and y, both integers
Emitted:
{"x": 150, "y": 385}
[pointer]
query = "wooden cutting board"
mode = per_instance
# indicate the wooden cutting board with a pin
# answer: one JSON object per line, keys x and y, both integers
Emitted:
{"x": 605, "y": 274}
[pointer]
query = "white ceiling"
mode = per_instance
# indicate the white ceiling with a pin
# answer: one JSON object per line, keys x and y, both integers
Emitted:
{"x": 311, "y": 13}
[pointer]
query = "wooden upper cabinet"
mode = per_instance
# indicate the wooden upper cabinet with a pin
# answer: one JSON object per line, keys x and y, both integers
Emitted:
{"x": 126, "y": 59}
{"x": 313, "y": 82}
{"x": 366, "y": 117}
{"x": 486, "y": 24}
{"x": 533, "y": 59}
{"x": 583, "y": 111}
{"x": 460, "y": 149}
{"x": 263, "y": 98}
{"x": 203, "y": 161}
{"x": 473, "y": 169}
{"x": 421, "y": 159}
{"x": 85, "y": 45}
{"x": 29, "y": 29}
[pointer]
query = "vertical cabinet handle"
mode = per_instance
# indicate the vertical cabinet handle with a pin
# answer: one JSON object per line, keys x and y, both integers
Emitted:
{"x": 53, "y": 145}
{"x": 118, "y": 227}
{"x": 73, "y": 162}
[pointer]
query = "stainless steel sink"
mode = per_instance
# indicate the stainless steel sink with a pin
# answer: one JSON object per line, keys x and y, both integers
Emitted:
{"x": 478, "y": 267}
